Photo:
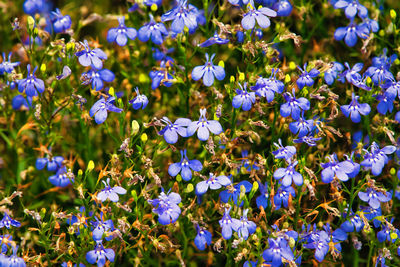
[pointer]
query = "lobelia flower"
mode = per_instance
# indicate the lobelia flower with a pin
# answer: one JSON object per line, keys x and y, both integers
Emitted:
{"x": 354, "y": 109}
{"x": 140, "y": 101}
{"x": 215, "y": 39}
{"x": 53, "y": 163}
{"x": 19, "y": 102}
{"x": 88, "y": 57}
{"x": 100, "y": 254}
{"x": 278, "y": 249}
{"x": 213, "y": 183}
{"x": 5, "y": 240}
{"x": 385, "y": 104}
{"x": 171, "y": 130}
{"x": 160, "y": 77}
{"x": 333, "y": 168}
{"x": 98, "y": 77}
{"x": 7, "y": 222}
{"x": 283, "y": 152}
{"x": 379, "y": 71}
{"x": 246, "y": 227}
{"x": 228, "y": 224}
{"x": 374, "y": 198}
{"x": 308, "y": 139}
{"x": 154, "y": 31}
{"x": 246, "y": 163}
{"x": 182, "y": 15}
{"x": 371, "y": 24}
{"x": 331, "y": 74}
{"x": 243, "y": 98}
{"x": 352, "y": 75}
{"x": 260, "y": 15}
{"x": 31, "y": 7}
{"x": 294, "y": 106}
{"x": 355, "y": 223}
{"x": 386, "y": 233}
{"x": 283, "y": 8}
{"x": 355, "y": 165}
{"x": 101, "y": 227}
{"x": 121, "y": 33}
{"x": 163, "y": 56}
{"x": 7, "y": 66}
{"x": 208, "y": 71}
{"x": 350, "y": 33}
{"x": 202, "y": 238}
{"x": 319, "y": 242}
{"x": 262, "y": 200}
{"x": 336, "y": 237}
{"x": 234, "y": 193}
{"x": 301, "y": 127}
{"x": 79, "y": 219}
{"x": 62, "y": 178}
{"x": 377, "y": 158}
{"x": 306, "y": 78}
{"x": 166, "y": 206}
{"x": 351, "y": 8}
{"x": 13, "y": 260}
{"x": 250, "y": 264}
{"x": 289, "y": 174}
{"x": 100, "y": 109}
{"x": 66, "y": 72}
{"x": 268, "y": 87}
{"x": 281, "y": 196}
{"x": 110, "y": 193}
{"x": 31, "y": 85}
{"x": 185, "y": 167}
{"x": 392, "y": 88}
{"x": 60, "y": 23}
{"x": 204, "y": 127}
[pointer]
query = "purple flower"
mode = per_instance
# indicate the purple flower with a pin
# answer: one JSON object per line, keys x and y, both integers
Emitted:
{"x": 31, "y": 85}
{"x": 333, "y": 168}
{"x": 246, "y": 227}
{"x": 282, "y": 196}
{"x": 294, "y": 106}
{"x": 374, "y": 198}
{"x": 332, "y": 73}
{"x": 351, "y": 8}
{"x": 202, "y": 238}
{"x": 215, "y": 39}
{"x": 278, "y": 249}
{"x": 171, "y": 130}
{"x": 260, "y": 15}
{"x": 185, "y": 166}
{"x": 89, "y": 57}
{"x": 228, "y": 224}
{"x": 154, "y": 31}
{"x": 306, "y": 78}
{"x": 60, "y": 23}
{"x": 61, "y": 178}
{"x": 377, "y": 158}
{"x": 53, "y": 163}
{"x": 208, "y": 71}
{"x": 243, "y": 98}
{"x": 234, "y": 193}
{"x": 283, "y": 152}
{"x": 100, "y": 109}
{"x": 166, "y": 206}
{"x": 350, "y": 33}
{"x": 100, "y": 254}
{"x": 289, "y": 174}
{"x": 110, "y": 193}
{"x": 140, "y": 101}
{"x": 98, "y": 77}
{"x": 121, "y": 34}
{"x": 204, "y": 127}
{"x": 354, "y": 109}
{"x": 101, "y": 227}
{"x": 66, "y": 72}
{"x": 213, "y": 183}
{"x": 182, "y": 15}
{"x": 7, "y": 222}
{"x": 7, "y": 66}
{"x": 262, "y": 200}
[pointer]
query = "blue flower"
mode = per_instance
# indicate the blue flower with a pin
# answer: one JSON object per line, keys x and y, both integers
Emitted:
{"x": 268, "y": 87}
{"x": 354, "y": 109}
{"x": 101, "y": 227}
{"x": 185, "y": 166}
{"x": 278, "y": 249}
{"x": 66, "y": 72}
{"x": 61, "y": 178}
{"x": 308, "y": 139}
{"x": 208, "y": 71}
{"x": 333, "y": 169}
{"x": 79, "y": 219}
{"x": 355, "y": 223}
{"x": 98, "y": 77}
{"x": 351, "y": 8}
{"x": 7, "y": 222}
{"x": 337, "y": 236}
{"x": 352, "y": 75}
{"x": 306, "y": 78}
{"x": 281, "y": 196}
{"x": 163, "y": 57}
{"x": 228, "y": 224}
{"x": 87, "y": 56}
{"x": 374, "y": 198}
{"x": 294, "y": 106}
{"x": 60, "y": 23}
{"x": 355, "y": 165}
{"x": 121, "y": 34}
{"x": 13, "y": 260}
{"x": 243, "y": 98}
{"x": 213, "y": 183}
{"x": 283, "y": 8}
{"x": 204, "y": 127}
{"x": 385, "y": 233}
{"x": 31, "y": 85}
{"x": 182, "y": 15}
{"x": 5, "y": 241}
{"x": 350, "y": 33}
{"x": 100, "y": 254}
{"x": 385, "y": 104}
{"x": 171, "y": 130}
{"x": 202, "y": 238}
{"x": 377, "y": 158}
{"x": 392, "y": 89}
{"x": 246, "y": 227}
{"x": 283, "y": 152}
{"x": 332, "y": 73}
{"x": 100, "y": 108}
{"x": 215, "y": 39}
{"x": 53, "y": 163}
{"x": 262, "y": 200}
{"x": 320, "y": 242}
{"x": 140, "y": 101}
{"x": 289, "y": 174}
{"x": 31, "y": 7}
{"x": 166, "y": 206}
{"x": 234, "y": 193}
{"x": 301, "y": 126}
{"x": 159, "y": 77}
{"x": 379, "y": 71}
{"x": 261, "y": 15}
{"x": 154, "y": 31}
{"x": 110, "y": 193}
{"x": 371, "y": 24}
{"x": 7, "y": 66}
